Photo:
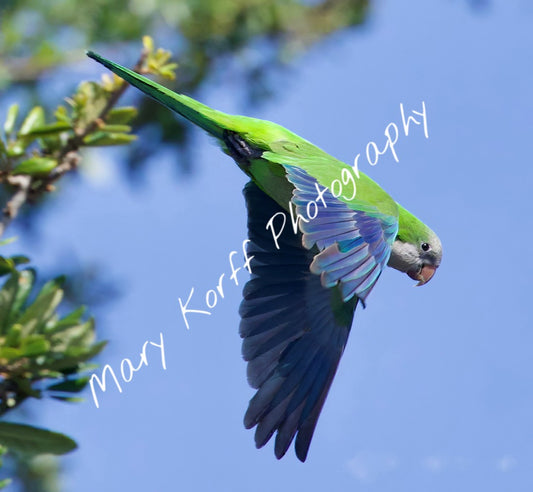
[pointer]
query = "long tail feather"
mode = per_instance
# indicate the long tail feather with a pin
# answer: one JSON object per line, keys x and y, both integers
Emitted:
{"x": 212, "y": 121}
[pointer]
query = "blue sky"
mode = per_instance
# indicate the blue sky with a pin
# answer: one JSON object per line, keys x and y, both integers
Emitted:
{"x": 435, "y": 388}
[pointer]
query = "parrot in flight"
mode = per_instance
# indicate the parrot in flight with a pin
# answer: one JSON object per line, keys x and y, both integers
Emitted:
{"x": 306, "y": 280}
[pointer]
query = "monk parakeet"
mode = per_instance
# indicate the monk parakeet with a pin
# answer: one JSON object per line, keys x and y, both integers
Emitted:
{"x": 306, "y": 281}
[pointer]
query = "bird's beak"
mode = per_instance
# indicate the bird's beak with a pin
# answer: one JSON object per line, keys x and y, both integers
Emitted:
{"x": 423, "y": 275}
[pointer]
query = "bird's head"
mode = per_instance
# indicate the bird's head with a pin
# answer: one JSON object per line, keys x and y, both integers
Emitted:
{"x": 417, "y": 250}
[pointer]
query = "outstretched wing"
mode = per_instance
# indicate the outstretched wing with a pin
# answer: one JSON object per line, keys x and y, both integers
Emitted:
{"x": 294, "y": 331}
{"x": 354, "y": 244}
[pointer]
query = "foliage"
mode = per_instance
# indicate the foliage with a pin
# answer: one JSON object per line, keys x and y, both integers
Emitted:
{"x": 33, "y": 440}
{"x": 41, "y": 352}
{"x": 201, "y": 30}
{"x": 6, "y": 481}
{"x": 248, "y": 39}
{"x": 37, "y": 345}
{"x": 44, "y": 150}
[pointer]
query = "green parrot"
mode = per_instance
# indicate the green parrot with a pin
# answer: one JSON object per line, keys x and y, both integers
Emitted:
{"x": 306, "y": 280}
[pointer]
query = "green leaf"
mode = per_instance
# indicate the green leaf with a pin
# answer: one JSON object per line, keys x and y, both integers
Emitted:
{"x": 36, "y": 166}
{"x": 24, "y": 388}
{"x": 3, "y": 149}
{"x": 76, "y": 356}
{"x": 63, "y": 325}
{"x": 71, "y": 399}
{"x": 41, "y": 310}
{"x": 11, "y": 118}
{"x": 148, "y": 44}
{"x": 26, "y": 279}
{"x": 53, "y": 285}
{"x": 82, "y": 367}
{"x": 10, "y": 353}
{"x": 51, "y": 145}
{"x": 13, "y": 335}
{"x": 51, "y": 129}
{"x": 34, "y": 120}
{"x": 117, "y": 128}
{"x": 103, "y": 138}
{"x": 70, "y": 385}
{"x": 34, "y": 345}
{"x": 168, "y": 71}
{"x": 73, "y": 318}
{"x": 121, "y": 116}
{"x": 8, "y": 240}
{"x": 5, "y": 482}
{"x": 80, "y": 335}
{"x": 16, "y": 148}
{"x": 7, "y": 297}
{"x": 6, "y": 266}
{"x": 89, "y": 102}
{"x": 31, "y": 440}
{"x": 19, "y": 259}
{"x": 61, "y": 114}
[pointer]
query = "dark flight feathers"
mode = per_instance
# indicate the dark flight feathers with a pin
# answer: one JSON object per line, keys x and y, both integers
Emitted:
{"x": 294, "y": 332}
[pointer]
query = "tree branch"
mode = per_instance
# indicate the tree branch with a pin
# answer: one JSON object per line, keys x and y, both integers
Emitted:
{"x": 20, "y": 197}
{"x": 68, "y": 159}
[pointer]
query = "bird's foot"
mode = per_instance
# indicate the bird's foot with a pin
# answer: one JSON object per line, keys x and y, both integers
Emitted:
{"x": 240, "y": 149}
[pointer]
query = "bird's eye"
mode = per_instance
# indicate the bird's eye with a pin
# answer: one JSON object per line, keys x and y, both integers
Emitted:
{"x": 425, "y": 247}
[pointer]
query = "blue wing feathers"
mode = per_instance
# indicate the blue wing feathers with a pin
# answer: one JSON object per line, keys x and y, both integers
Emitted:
{"x": 293, "y": 340}
{"x": 338, "y": 231}
{"x": 267, "y": 426}
{"x": 293, "y": 319}
{"x": 260, "y": 370}
{"x": 278, "y": 337}
{"x": 287, "y": 430}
